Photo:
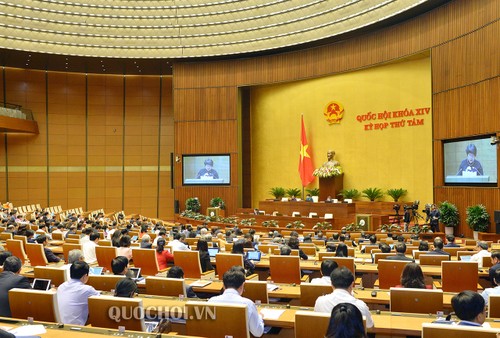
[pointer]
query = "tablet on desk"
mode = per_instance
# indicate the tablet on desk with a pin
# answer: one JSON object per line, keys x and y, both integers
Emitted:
{"x": 254, "y": 255}
{"x": 134, "y": 238}
{"x": 136, "y": 273}
{"x": 465, "y": 258}
{"x": 213, "y": 251}
{"x": 41, "y": 284}
{"x": 95, "y": 271}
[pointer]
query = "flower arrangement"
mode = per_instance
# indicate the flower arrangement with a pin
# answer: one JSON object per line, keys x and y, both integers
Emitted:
{"x": 328, "y": 170}
{"x": 322, "y": 226}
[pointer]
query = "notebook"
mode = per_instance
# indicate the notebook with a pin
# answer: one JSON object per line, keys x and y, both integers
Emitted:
{"x": 254, "y": 255}
{"x": 41, "y": 284}
{"x": 213, "y": 251}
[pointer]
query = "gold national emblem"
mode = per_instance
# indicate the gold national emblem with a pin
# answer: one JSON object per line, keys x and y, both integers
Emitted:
{"x": 334, "y": 112}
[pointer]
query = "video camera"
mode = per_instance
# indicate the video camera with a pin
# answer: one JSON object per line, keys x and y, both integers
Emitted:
{"x": 414, "y": 206}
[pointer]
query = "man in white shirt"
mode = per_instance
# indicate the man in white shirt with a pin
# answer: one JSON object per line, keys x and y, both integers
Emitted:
{"x": 73, "y": 256}
{"x": 161, "y": 234}
{"x": 72, "y": 296}
{"x": 494, "y": 290}
{"x": 327, "y": 267}
{"x": 483, "y": 252}
{"x": 343, "y": 284}
{"x": 89, "y": 248}
{"x": 178, "y": 242}
{"x": 234, "y": 282}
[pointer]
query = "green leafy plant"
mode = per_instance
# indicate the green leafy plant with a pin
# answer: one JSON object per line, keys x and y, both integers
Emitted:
{"x": 277, "y": 192}
{"x": 229, "y": 220}
{"x": 193, "y": 204}
{"x": 313, "y": 191}
{"x": 352, "y": 227}
{"x": 270, "y": 224}
{"x": 449, "y": 214}
{"x": 293, "y": 192}
{"x": 477, "y": 217}
{"x": 389, "y": 228}
{"x": 248, "y": 221}
{"x": 217, "y": 202}
{"x": 396, "y": 194}
{"x": 349, "y": 193}
{"x": 323, "y": 226}
{"x": 295, "y": 225}
{"x": 373, "y": 194}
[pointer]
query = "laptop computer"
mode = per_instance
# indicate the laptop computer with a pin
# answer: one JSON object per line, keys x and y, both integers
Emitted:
{"x": 134, "y": 238}
{"x": 465, "y": 258}
{"x": 136, "y": 274}
{"x": 41, "y": 284}
{"x": 95, "y": 271}
{"x": 213, "y": 251}
{"x": 254, "y": 255}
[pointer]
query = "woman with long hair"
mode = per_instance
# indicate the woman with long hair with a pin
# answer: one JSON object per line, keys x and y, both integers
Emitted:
{"x": 163, "y": 257}
{"x": 346, "y": 321}
{"x": 202, "y": 247}
{"x": 239, "y": 248}
{"x": 341, "y": 250}
{"x": 412, "y": 277}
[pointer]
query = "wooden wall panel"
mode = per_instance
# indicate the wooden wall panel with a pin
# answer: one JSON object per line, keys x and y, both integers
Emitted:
{"x": 166, "y": 189}
{"x": 467, "y": 110}
{"x": 456, "y": 64}
{"x": 206, "y": 137}
{"x": 219, "y": 104}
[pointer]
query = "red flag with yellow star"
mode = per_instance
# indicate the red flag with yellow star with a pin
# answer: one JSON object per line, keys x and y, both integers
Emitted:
{"x": 305, "y": 160}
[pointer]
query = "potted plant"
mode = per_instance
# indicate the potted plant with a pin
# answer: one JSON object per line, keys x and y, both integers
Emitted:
{"x": 314, "y": 192}
{"x": 293, "y": 193}
{"x": 349, "y": 194}
{"x": 449, "y": 216}
{"x": 270, "y": 224}
{"x": 478, "y": 219}
{"x": 278, "y": 193}
{"x": 217, "y": 202}
{"x": 373, "y": 194}
{"x": 295, "y": 225}
{"x": 322, "y": 226}
{"x": 193, "y": 204}
{"x": 396, "y": 194}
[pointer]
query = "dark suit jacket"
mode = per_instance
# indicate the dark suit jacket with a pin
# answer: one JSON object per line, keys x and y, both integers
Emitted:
{"x": 205, "y": 261}
{"x": 51, "y": 258}
{"x": 437, "y": 252}
{"x": 399, "y": 257}
{"x": 452, "y": 245}
{"x": 10, "y": 280}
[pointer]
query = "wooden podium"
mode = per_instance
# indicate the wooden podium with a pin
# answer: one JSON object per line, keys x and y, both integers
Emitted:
{"x": 330, "y": 186}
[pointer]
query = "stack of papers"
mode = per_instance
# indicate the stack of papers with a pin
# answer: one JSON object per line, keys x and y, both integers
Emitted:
{"x": 200, "y": 283}
{"x": 271, "y": 314}
{"x": 272, "y": 287}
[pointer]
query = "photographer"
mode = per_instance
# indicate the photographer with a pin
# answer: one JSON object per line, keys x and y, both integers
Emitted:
{"x": 434, "y": 215}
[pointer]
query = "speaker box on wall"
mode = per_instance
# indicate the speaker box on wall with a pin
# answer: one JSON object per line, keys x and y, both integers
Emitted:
{"x": 497, "y": 216}
{"x": 176, "y": 206}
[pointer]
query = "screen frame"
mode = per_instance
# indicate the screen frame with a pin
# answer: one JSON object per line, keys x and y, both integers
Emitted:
{"x": 468, "y": 138}
{"x": 203, "y": 182}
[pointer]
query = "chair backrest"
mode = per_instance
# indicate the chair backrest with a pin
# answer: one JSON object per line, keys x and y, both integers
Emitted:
{"x": 417, "y": 253}
{"x": 104, "y": 255}
{"x": 469, "y": 242}
{"x": 310, "y": 292}
{"x": 382, "y": 255}
{"x": 452, "y": 250}
{"x": 430, "y": 330}
{"x": 318, "y": 242}
{"x": 370, "y": 248}
{"x": 74, "y": 236}
{"x": 36, "y": 255}
{"x": 494, "y": 306}
{"x": 189, "y": 261}
{"x": 464, "y": 253}
{"x": 348, "y": 262}
{"x": 40, "y": 305}
{"x": 487, "y": 262}
{"x": 228, "y": 247}
{"x": 215, "y": 320}
{"x": 5, "y": 236}
{"x": 104, "y": 282}
{"x": 192, "y": 241}
{"x": 67, "y": 247}
{"x": 268, "y": 248}
{"x": 57, "y": 276}
{"x": 16, "y": 247}
{"x": 277, "y": 251}
{"x": 416, "y": 300}
{"x": 284, "y": 269}
{"x": 105, "y": 242}
{"x": 72, "y": 240}
{"x": 165, "y": 286}
{"x": 433, "y": 259}
{"x": 224, "y": 262}
{"x": 24, "y": 239}
{"x": 308, "y": 250}
{"x": 146, "y": 260}
{"x": 323, "y": 254}
{"x": 389, "y": 272}
{"x": 311, "y": 324}
{"x": 57, "y": 236}
{"x": 459, "y": 276}
{"x": 256, "y": 290}
{"x": 99, "y": 309}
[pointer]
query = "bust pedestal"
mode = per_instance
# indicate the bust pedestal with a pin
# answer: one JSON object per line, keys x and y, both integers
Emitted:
{"x": 330, "y": 186}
